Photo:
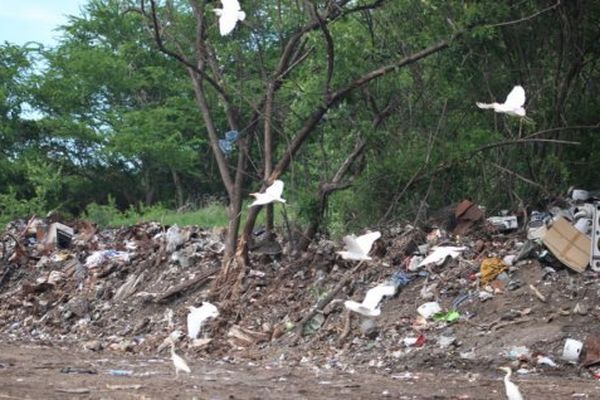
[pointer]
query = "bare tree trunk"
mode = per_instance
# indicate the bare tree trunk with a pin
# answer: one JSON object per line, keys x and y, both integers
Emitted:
{"x": 326, "y": 189}
{"x": 148, "y": 188}
{"x": 268, "y": 137}
{"x": 178, "y": 188}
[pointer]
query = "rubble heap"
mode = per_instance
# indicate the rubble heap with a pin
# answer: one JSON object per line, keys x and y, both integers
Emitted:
{"x": 469, "y": 292}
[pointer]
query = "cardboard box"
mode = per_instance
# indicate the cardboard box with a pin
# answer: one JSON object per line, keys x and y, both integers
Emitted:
{"x": 570, "y": 246}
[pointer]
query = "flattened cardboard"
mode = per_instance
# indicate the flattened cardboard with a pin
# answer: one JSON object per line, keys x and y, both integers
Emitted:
{"x": 570, "y": 246}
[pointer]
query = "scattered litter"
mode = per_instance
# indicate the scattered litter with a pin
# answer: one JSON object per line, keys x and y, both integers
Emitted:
{"x": 226, "y": 144}
{"x": 77, "y": 370}
{"x": 59, "y": 235}
{"x": 450, "y": 316}
{"x": 592, "y": 351}
{"x": 427, "y": 310}
{"x": 120, "y": 372}
{"x": 522, "y": 353}
{"x": 569, "y": 245}
{"x": 124, "y": 387}
{"x": 418, "y": 341}
{"x": 175, "y": 238}
{"x": 543, "y": 360}
{"x": 446, "y": 341}
{"x": 572, "y": 350}
{"x": 467, "y": 214}
{"x": 504, "y": 223}
{"x": 490, "y": 268}
{"x": 99, "y": 257}
{"x": 120, "y": 289}
{"x": 483, "y": 295}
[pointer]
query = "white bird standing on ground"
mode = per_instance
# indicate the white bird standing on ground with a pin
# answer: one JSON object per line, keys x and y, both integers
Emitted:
{"x": 229, "y": 15}
{"x": 513, "y": 105}
{"x": 512, "y": 390}
{"x": 370, "y": 305}
{"x": 178, "y": 362}
{"x": 198, "y": 315}
{"x": 358, "y": 248}
{"x": 271, "y": 194}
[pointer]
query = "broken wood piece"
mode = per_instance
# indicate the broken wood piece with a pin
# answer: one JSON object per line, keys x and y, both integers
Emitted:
{"x": 244, "y": 337}
{"x": 508, "y": 323}
{"x": 347, "y": 325}
{"x": 197, "y": 281}
{"x": 537, "y": 293}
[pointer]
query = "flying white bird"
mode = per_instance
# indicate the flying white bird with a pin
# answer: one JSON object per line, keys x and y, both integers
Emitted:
{"x": 357, "y": 248}
{"x": 370, "y": 305}
{"x": 178, "y": 362}
{"x": 271, "y": 194}
{"x": 198, "y": 315}
{"x": 229, "y": 15}
{"x": 512, "y": 390}
{"x": 513, "y": 105}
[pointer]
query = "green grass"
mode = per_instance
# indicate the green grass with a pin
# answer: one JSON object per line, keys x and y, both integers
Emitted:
{"x": 213, "y": 215}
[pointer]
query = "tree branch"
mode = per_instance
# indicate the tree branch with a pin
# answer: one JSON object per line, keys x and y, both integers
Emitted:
{"x": 328, "y": 40}
{"x": 179, "y": 57}
{"x": 524, "y": 19}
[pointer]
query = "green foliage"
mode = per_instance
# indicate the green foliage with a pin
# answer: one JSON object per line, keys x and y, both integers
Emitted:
{"x": 103, "y": 214}
{"x": 11, "y": 207}
{"x": 44, "y": 187}
{"x": 116, "y": 117}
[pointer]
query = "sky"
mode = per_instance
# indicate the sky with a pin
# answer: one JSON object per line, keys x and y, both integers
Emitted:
{"x": 22, "y": 21}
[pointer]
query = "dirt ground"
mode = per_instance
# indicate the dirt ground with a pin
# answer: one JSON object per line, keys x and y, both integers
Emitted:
{"x": 34, "y": 372}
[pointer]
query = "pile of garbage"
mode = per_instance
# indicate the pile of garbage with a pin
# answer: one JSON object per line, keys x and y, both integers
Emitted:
{"x": 467, "y": 292}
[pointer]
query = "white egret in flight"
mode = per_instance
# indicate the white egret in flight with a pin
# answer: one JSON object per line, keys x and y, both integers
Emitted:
{"x": 229, "y": 15}
{"x": 370, "y": 305}
{"x": 513, "y": 105}
{"x": 271, "y": 194}
{"x": 358, "y": 248}
{"x": 198, "y": 315}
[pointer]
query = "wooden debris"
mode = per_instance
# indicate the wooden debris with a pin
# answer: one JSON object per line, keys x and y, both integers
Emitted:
{"x": 537, "y": 293}
{"x": 244, "y": 337}
{"x": 197, "y": 281}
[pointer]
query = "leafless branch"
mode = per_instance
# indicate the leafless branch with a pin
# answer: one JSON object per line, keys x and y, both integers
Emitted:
{"x": 328, "y": 40}
{"x": 519, "y": 176}
{"x": 562, "y": 128}
{"x": 524, "y": 19}
{"x": 522, "y": 141}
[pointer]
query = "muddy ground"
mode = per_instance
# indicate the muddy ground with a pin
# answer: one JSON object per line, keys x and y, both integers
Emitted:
{"x": 34, "y": 372}
{"x": 64, "y": 324}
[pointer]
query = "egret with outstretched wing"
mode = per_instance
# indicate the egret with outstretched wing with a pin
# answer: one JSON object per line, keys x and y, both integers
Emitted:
{"x": 229, "y": 15}
{"x": 358, "y": 248}
{"x": 370, "y": 305}
{"x": 271, "y": 194}
{"x": 513, "y": 105}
